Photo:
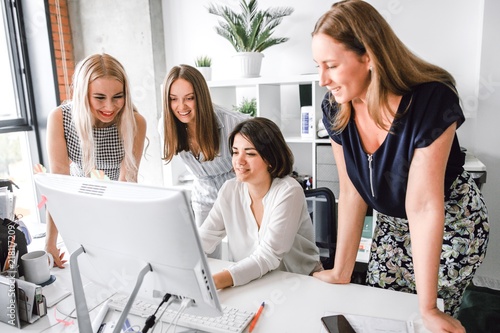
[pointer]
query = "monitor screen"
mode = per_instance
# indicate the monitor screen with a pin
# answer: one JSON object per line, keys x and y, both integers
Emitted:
{"x": 123, "y": 227}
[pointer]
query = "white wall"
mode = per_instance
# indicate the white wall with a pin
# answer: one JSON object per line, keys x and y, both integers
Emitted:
{"x": 445, "y": 32}
{"x": 129, "y": 31}
{"x": 427, "y": 27}
{"x": 189, "y": 31}
{"x": 448, "y": 33}
{"x": 487, "y": 136}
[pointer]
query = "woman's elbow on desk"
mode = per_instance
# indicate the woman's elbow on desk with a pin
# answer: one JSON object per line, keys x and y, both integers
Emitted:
{"x": 223, "y": 280}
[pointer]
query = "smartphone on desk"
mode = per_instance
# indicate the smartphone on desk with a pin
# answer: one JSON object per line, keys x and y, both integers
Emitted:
{"x": 337, "y": 324}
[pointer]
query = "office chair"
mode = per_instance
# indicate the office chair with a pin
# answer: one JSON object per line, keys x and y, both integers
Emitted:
{"x": 322, "y": 209}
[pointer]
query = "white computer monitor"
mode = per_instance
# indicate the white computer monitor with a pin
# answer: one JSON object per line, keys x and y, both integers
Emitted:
{"x": 123, "y": 227}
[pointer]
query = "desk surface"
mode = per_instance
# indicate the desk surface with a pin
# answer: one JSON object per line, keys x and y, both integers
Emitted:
{"x": 294, "y": 303}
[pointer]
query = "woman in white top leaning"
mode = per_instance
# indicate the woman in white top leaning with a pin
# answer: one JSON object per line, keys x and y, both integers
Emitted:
{"x": 263, "y": 211}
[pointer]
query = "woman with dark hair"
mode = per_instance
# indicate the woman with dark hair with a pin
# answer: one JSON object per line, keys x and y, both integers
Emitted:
{"x": 263, "y": 211}
{"x": 197, "y": 130}
{"x": 392, "y": 120}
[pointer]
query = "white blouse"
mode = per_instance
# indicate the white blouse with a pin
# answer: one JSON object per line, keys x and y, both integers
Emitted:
{"x": 284, "y": 241}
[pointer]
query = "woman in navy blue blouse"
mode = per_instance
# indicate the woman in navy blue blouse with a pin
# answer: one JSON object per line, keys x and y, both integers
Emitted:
{"x": 392, "y": 121}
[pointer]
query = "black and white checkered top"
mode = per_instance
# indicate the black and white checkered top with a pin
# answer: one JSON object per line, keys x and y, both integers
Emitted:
{"x": 108, "y": 147}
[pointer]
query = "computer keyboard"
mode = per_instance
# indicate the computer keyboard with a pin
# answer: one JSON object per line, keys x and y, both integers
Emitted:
{"x": 233, "y": 320}
{"x": 141, "y": 308}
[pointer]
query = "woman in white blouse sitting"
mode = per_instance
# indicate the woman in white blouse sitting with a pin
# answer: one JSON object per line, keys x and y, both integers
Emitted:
{"x": 263, "y": 212}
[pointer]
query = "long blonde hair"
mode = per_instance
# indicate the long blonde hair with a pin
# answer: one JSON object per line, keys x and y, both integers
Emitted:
{"x": 207, "y": 131}
{"x": 396, "y": 70}
{"x": 89, "y": 69}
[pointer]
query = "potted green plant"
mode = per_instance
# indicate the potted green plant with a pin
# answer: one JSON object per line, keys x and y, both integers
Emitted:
{"x": 250, "y": 31}
{"x": 203, "y": 61}
{"x": 203, "y": 64}
{"x": 247, "y": 106}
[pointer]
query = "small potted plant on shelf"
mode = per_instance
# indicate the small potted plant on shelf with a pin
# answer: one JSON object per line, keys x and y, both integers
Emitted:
{"x": 247, "y": 106}
{"x": 203, "y": 64}
{"x": 250, "y": 31}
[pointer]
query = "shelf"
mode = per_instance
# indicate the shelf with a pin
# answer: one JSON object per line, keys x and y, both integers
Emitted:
{"x": 300, "y": 139}
{"x": 296, "y": 79}
{"x": 280, "y": 99}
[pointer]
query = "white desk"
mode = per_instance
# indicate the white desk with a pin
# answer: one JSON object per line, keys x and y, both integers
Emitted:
{"x": 294, "y": 303}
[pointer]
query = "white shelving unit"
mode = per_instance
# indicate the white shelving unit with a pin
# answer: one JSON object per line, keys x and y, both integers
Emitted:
{"x": 279, "y": 100}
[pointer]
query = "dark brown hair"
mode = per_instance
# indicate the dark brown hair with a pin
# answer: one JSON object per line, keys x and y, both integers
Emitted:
{"x": 269, "y": 142}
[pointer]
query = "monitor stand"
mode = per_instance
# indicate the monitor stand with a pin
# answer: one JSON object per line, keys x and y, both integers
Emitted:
{"x": 82, "y": 311}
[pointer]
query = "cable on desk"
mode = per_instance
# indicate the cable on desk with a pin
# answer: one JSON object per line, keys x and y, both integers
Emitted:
{"x": 184, "y": 305}
{"x": 161, "y": 314}
{"x": 60, "y": 321}
{"x": 132, "y": 329}
{"x": 150, "y": 321}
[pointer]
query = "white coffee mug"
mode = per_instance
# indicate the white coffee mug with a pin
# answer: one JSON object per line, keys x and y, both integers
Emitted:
{"x": 37, "y": 265}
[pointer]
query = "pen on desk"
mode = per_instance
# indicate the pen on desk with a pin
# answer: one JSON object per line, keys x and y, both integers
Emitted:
{"x": 256, "y": 317}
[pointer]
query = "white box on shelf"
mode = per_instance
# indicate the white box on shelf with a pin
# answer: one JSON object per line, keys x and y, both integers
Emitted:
{"x": 307, "y": 122}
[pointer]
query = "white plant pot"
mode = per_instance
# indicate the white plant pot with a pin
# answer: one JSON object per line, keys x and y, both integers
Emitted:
{"x": 206, "y": 72}
{"x": 249, "y": 63}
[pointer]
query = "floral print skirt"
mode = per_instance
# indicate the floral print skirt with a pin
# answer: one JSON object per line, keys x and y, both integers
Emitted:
{"x": 463, "y": 250}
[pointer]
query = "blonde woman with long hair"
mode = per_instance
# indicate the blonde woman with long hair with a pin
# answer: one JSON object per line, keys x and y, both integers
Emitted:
{"x": 99, "y": 129}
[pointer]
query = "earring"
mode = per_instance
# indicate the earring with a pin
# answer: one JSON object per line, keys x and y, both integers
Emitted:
{"x": 370, "y": 69}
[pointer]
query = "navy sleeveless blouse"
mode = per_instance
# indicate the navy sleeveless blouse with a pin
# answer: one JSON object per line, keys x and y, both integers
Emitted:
{"x": 422, "y": 116}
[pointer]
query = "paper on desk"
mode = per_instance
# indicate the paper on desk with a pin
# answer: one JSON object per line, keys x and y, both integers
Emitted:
{"x": 54, "y": 293}
{"x": 26, "y": 298}
{"x": 367, "y": 324}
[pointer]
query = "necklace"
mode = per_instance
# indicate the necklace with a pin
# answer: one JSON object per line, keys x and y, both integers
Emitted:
{"x": 193, "y": 146}
{"x": 196, "y": 156}
{"x": 194, "y": 151}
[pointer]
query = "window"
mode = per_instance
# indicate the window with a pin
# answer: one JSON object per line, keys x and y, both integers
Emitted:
{"x": 16, "y": 120}
{"x": 16, "y": 165}
{"x": 14, "y": 92}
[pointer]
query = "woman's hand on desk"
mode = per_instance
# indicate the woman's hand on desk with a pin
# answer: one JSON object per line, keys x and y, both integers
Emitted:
{"x": 331, "y": 276}
{"x": 438, "y": 321}
{"x": 56, "y": 253}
